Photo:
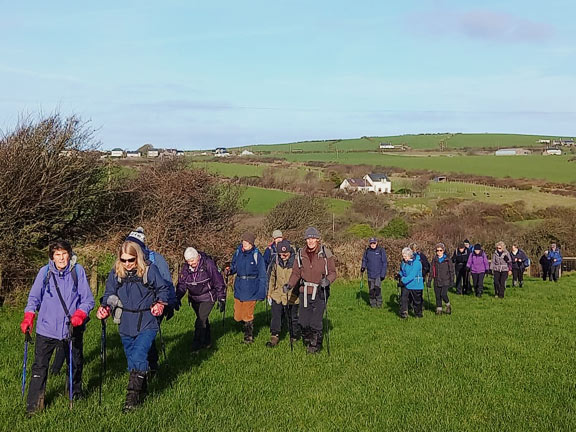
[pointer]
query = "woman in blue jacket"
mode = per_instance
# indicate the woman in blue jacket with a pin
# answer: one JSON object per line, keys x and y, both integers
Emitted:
{"x": 136, "y": 294}
{"x": 249, "y": 284}
{"x": 411, "y": 283}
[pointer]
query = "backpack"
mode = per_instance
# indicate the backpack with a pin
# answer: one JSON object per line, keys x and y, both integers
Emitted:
{"x": 526, "y": 262}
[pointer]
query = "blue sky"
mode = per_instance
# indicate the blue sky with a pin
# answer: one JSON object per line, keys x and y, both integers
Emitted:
{"x": 189, "y": 74}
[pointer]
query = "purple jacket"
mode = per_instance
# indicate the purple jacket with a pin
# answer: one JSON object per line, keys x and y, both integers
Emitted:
{"x": 52, "y": 321}
{"x": 203, "y": 285}
{"x": 478, "y": 263}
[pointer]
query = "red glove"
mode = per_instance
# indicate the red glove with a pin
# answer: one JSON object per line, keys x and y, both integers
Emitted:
{"x": 28, "y": 322}
{"x": 103, "y": 312}
{"x": 157, "y": 309}
{"x": 78, "y": 317}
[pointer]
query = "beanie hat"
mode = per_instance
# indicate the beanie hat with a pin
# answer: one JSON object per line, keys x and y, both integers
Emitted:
{"x": 276, "y": 234}
{"x": 467, "y": 241}
{"x": 477, "y": 246}
{"x": 311, "y": 232}
{"x": 373, "y": 240}
{"x": 249, "y": 237}
{"x": 284, "y": 247}
{"x": 137, "y": 236}
{"x": 190, "y": 254}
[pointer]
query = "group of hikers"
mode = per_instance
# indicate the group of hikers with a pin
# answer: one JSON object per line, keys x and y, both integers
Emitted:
{"x": 139, "y": 293}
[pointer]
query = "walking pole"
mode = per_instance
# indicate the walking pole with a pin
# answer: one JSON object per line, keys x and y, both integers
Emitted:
{"x": 27, "y": 339}
{"x": 360, "y": 290}
{"x": 289, "y": 320}
{"x": 70, "y": 368}
{"x": 159, "y": 319}
{"x": 102, "y": 359}
{"x": 327, "y": 325}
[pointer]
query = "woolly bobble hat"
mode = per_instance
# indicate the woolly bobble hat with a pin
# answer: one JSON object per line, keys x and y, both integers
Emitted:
{"x": 477, "y": 246}
{"x": 137, "y": 236}
{"x": 190, "y": 254}
{"x": 311, "y": 232}
{"x": 276, "y": 234}
{"x": 284, "y": 247}
{"x": 249, "y": 237}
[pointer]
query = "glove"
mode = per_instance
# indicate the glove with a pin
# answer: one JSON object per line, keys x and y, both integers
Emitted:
{"x": 78, "y": 317}
{"x": 103, "y": 312}
{"x": 226, "y": 270}
{"x": 327, "y": 292}
{"x": 157, "y": 309}
{"x": 324, "y": 282}
{"x": 397, "y": 277}
{"x": 488, "y": 272}
{"x": 285, "y": 288}
{"x": 362, "y": 270}
{"x": 222, "y": 305}
{"x": 27, "y": 323}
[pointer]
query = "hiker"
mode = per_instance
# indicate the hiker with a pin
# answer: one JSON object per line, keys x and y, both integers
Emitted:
{"x": 501, "y": 266}
{"x": 138, "y": 236}
{"x": 375, "y": 261}
{"x": 271, "y": 250}
{"x": 478, "y": 266}
{"x": 460, "y": 259}
{"x": 442, "y": 273}
{"x": 468, "y": 246}
{"x": 136, "y": 295}
{"x": 418, "y": 254}
{"x": 61, "y": 295}
{"x": 249, "y": 284}
{"x": 313, "y": 272}
{"x": 519, "y": 263}
{"x": 545, "y": 265}
{"x": 411, "y": 282}
{"x": 200, "y": 278}
{"x": 555, "y": 260}
{"x": 284, "y": 305}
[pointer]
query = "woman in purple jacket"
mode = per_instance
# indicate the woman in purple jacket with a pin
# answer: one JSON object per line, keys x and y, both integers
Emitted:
{"x": 204, "y": 284}
{"x": 62, "y": 297}
{"x": 479, "y": 266}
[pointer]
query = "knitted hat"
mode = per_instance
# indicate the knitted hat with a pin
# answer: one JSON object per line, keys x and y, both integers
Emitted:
{"x": 284, "y": 247}
{"x": 467, "y": 241}
{"x": 190, "y": 254}
{"x": 276, "y": 234}
{"x": 137, "y": 236}
{"x": 311, "y": 232}
{"x": 249, "y": 237}
{"x": 477, "y": 246}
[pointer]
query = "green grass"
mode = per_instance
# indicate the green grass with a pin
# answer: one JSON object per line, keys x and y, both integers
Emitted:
{"x": 261, "y": 201}
{"x": 416, "y": 142}
{"x": 230, "y": 170}
{"x": 552, "y": 168}
{"x": 493, "y": 365}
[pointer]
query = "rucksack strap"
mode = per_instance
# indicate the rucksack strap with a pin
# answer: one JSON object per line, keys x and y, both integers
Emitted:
{"x": 60, "y": 297}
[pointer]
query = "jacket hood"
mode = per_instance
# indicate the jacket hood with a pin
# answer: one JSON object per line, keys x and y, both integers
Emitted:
{"x": 69, "y": 267}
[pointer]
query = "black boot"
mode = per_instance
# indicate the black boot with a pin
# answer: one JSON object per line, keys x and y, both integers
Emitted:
{"x": 198, "y": 340}
{"x": 313, "y": 348}
{"x": 248, "y": 332}
{"x": 137, "y": 387}
{"x": 35, "y": 403}
{"x": 207, "y": 342}
{"x": 306, "y": 336}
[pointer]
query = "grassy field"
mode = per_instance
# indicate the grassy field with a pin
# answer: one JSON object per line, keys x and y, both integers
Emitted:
{"x": 492, "y": 365}
{"x": 552, "y": 168}
{"x": 416, "y": 142}
{"x": 230, "y": 170}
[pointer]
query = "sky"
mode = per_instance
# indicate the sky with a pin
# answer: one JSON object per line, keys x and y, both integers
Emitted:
{"x": 199, "y": 75}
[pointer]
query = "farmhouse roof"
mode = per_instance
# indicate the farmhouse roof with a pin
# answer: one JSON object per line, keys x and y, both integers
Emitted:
{"x": 117, "y": 149}
{"x": 356, "y": 182}
{"x": 378, "y": 177}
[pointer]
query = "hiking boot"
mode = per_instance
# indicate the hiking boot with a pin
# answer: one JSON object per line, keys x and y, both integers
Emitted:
{"x": 35, "y": 406}
{"x": 520, "y": 284}
{"x": 137, "y": 387}
{"x": 274, "y": 339}
{"x": 448, "y": 309}
{"x": 312, "y": 349}
{"x": 438, "y": 311}
{"x": 248, "y": 332}
{"x": 404, "y": 315}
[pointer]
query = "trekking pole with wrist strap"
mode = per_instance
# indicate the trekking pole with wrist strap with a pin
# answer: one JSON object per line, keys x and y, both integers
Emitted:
{"x": 27, "y": 340}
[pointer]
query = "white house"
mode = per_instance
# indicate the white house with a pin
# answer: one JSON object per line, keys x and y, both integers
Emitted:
{"x": 552, "y": 151}
{"x": 246, "y": 153}
{"x": 221, "y": 152}
{"x": 152, "y": 153}
{"x": 133, "y": 154}
{"x": 386, "y": 146}
{"x": 377, "y": 183}
{"x": 117, "y": 152}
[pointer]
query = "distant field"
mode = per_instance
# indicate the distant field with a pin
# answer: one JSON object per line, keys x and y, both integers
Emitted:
{"x": 552, "y": 168}
{"x": 416, "y": 142}
{"x": 231, "y": 169}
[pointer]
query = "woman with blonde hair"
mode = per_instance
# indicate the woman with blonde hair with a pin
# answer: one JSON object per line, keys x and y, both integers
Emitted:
{"x": 136, "y": 294}
{"x": 501, "y": 267}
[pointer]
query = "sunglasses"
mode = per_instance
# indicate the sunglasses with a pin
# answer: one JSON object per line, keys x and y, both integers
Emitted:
{"x": 439, "y": 250}
{"x": 129, "y": 260}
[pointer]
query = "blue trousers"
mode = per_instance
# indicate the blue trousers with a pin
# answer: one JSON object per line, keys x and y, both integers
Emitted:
{"x": 136, "y": 349}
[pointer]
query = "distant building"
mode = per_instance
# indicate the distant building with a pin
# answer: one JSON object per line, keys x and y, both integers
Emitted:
{"x": 552, "y": 152}
{"x": 180, "y": 153}
{"x": 133, "y": 154}
{"x": 377, "y": 183}
{"x": 544, "y": 141}
{"x": 152, "y": 153}
{"x": 512, "y": 152}
{"x": 246, "y": 153}
{"x": 440, "y": 179}
{"x": 221, "y": 152}
{"x": 386, "y": 146}
{"x": 117, "y": 153}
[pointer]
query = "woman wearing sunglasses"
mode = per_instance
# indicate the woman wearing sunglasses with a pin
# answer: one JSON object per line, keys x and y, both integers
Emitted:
{"x": 442, "y": 273}
{"x": 501, "y": 267}
{"x": 137, "y": 294}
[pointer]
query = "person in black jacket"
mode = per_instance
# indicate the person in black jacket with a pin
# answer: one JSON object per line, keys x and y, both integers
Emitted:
{"x": 460, "y": 259}
{"x": 519, "y": 264}
{"x": 375, "y": 261}
{"x": 545, "y": 264}
{"x": 442, "y": 272}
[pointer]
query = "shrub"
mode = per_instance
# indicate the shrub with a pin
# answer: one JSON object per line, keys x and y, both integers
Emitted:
{"x": 362, "y": 231}
{"x": 397, "y": 228}
{"x": 293, "y": 216}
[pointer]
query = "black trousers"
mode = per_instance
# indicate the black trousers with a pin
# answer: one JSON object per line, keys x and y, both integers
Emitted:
{"x": 415, "y": 298}
{"x": 500, "y": 283}
{"x": 43, "y": 350}
{"x": 517, "y": 275}
{"x": 478, "y": 281}
{"x": 555, "y": 273}
{"x": 202, "y": 324}
{"x": 441, "y": 295}
{"x": 462, "y": 279}
{"x": 546, "y": 272}
{"x": 375, "y": 292}
{"x": 310, "y": 317}
{"x": 280, "y": 314}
